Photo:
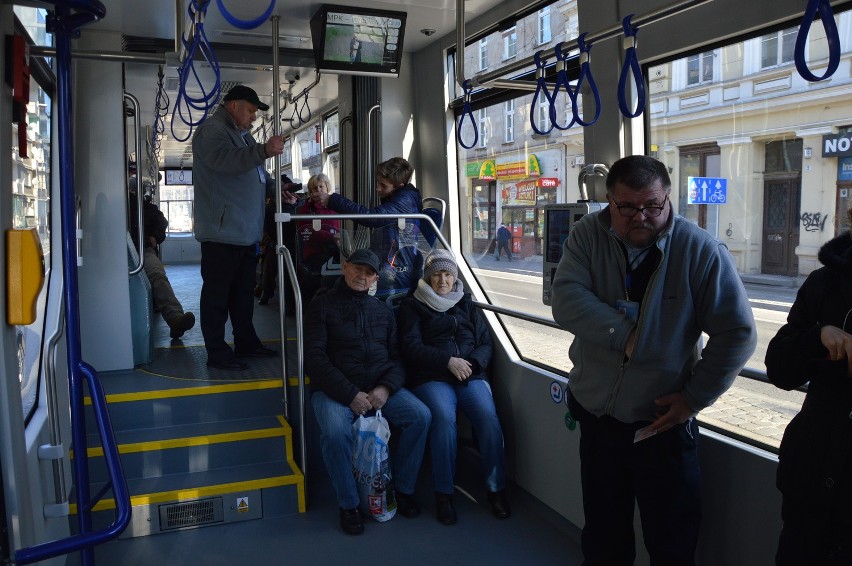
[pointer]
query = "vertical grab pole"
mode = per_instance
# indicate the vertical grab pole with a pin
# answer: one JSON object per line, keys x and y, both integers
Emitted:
{"x": 69, "y": 267}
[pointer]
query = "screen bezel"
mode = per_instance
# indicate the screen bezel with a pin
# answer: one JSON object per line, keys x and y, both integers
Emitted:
{"x": 319, "y": 30}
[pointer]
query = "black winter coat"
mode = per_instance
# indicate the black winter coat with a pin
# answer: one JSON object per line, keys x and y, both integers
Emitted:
{"x": 815, "y": 459}
{"x": 428, "y": 339}
{"x": 351, "y": 344}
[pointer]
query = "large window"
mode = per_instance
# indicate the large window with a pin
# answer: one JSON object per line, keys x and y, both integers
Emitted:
{"x": 777, "y": 48}
{"x": 699, "y": 68}
{"x": 509, "y": 121}
{"x": 510, "y": 43}
{"x": 484, "y": 129}
{"x": 483, "y": 54}
{"x": 544, "y": 25}
{"x": 32, "y": 205}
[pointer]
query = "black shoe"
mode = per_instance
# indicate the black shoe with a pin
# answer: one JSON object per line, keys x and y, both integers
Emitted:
{"x": 229, "y": 365}
{"x": 350, "y": 521}
{"x": 259, "y": 352}
{"x": 445, "y": 511}
{"x": 499, "y": 504}
{"x": 263, "y": 301}
{"x": 181, "y": 324}
{"x": 406, "y": 505}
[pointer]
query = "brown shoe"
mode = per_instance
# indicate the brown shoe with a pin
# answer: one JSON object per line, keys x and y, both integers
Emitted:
{"x": 181, "y": 324}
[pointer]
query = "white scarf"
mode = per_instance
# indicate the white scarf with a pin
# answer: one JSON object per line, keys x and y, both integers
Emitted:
{"x": 441, "y": 303}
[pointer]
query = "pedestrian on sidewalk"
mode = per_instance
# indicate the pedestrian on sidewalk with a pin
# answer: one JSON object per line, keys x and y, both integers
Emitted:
{"x": 504, "y": 242}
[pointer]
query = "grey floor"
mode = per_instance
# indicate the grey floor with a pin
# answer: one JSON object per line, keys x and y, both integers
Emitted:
{"x": 534, "y": 534}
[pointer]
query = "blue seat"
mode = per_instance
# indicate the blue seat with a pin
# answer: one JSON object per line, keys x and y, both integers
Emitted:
{"x": 437, "y": 216}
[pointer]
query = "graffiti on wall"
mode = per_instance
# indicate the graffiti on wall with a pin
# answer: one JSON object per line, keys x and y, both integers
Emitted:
{"x": 813, "y": 221}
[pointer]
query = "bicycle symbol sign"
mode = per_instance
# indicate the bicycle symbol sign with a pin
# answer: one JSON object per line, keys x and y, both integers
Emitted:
{"x": 707, "y": 190}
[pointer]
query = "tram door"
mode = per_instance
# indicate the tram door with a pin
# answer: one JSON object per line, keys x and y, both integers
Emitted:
{"x": 781, "y": 200}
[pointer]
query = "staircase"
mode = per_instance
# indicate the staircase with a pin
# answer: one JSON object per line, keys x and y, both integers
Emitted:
{"x": 200, "y": 450}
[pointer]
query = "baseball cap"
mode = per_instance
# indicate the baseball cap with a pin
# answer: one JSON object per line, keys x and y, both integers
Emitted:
{"x": 364, "y": 256}
{"x": 242, "y": 92}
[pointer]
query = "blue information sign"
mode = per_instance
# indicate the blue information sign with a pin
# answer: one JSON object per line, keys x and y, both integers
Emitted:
{"x": 707, "y": 190}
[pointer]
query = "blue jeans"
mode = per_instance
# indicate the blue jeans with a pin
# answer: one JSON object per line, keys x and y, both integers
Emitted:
{"x": 402, "y": 410}
{"x": 476, "y": 402}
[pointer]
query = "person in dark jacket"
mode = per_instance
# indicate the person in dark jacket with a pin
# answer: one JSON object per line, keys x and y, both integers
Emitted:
{"x": 402, "y": 262}
{"x": 447, "y": 351}
{"x": 154, "y": 225}
{"x": 504, "y": 242}
{"x": 815, "y": 459}
{"x": 352, "y": 360}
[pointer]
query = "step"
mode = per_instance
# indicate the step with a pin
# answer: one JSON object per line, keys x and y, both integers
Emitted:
{"x": 255, "y": 491}
{"x": 194, "y": 403}
{"x": 195, "y": 447}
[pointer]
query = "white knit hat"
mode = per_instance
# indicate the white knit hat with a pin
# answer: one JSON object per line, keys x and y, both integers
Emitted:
{"x": 440, "y": 260}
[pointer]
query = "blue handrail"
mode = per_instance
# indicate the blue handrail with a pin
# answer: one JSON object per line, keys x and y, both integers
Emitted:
{"x": 823, "y": 7}
{"x": 65, "y": 22}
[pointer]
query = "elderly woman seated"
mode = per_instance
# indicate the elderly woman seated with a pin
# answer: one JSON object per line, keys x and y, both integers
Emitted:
{"x": 446, "y": 347}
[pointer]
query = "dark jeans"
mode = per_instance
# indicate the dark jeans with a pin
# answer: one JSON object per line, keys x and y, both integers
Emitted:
{"x": 228, "y": 274}
{"x": 661, "y": 473}
{"x": 503, "y": 246}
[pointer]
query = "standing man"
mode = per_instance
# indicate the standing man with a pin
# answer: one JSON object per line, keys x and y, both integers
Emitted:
{"x": 637, "y": 286}
{"x": 504, "y": 239}
{"x": 351, "y": 355}
{"x": 230, "y": 189}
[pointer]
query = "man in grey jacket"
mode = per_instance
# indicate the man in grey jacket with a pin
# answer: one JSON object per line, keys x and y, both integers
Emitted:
{"x": 637, "y": 285}
{"x": 230, "y": 189}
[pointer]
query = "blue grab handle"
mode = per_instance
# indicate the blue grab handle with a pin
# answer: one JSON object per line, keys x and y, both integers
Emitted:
{"x": 466, "y": 111}
{"x": 823, "y": 7}
{"x": 541, "y": 88}
{"x": 562, "y": 82}
{"x": 586, "y": 73}
{"x": 631, "y": 65}
{"x": 245, "y": 24}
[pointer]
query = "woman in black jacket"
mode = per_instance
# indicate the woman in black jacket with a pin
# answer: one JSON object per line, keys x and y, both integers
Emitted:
{"x": 446, "y": 347}
{"x": 815, "y": 460}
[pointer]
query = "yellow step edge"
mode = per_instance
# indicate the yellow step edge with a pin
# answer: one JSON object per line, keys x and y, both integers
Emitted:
{"x": 203, "y": 390}
{"x": 176, "y": 496}
{"x": 98, "y": 452}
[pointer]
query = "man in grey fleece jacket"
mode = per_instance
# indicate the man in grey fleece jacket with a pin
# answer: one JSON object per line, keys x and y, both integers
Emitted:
{"x": 637, "y": 285}
{"x": 230, "y": 190}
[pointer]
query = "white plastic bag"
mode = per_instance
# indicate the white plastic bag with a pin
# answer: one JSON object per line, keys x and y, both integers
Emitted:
{"x": 371, "y": 467}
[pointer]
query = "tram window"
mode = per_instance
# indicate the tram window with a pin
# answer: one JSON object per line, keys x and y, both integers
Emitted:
{"x": 508, "y": 179}
{"x": 31, "y": 208}
{"x": 781, "y": 202}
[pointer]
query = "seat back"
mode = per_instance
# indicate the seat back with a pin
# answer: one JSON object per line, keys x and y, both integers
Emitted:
{"x": 437, "y": 216}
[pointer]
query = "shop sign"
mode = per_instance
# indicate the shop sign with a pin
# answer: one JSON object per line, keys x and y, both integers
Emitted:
{"x": 522, "y": 193}
{"x": 512, "y": 170}
{"x": 837, "y": 145}
{"x": 472, "y": 169}
{"x": 844, "y": 169}
{"x": 548, "y": 182}
{"x": 488, "y": 171}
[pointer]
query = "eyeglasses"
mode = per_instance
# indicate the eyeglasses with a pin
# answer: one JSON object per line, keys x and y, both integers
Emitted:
{"x": 629, "y": 211}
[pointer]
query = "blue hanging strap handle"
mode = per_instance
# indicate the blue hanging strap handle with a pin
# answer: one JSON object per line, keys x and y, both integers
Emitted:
{"x": 466, "y": 111}
{"x": 631, "y": 65}
{"x": 823, "y": 7}
{"x": 586, "y": 74}
{"x": 562, "y": 82}
{"x": 541, "y": 88}
{"x": 245, "y": 24}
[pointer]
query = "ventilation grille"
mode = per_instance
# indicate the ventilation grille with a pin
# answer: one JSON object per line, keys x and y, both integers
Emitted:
{"x": 191, "y": 514}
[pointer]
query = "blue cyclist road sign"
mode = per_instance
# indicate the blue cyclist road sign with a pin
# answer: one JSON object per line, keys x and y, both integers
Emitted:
{"x": 707, "y": 190}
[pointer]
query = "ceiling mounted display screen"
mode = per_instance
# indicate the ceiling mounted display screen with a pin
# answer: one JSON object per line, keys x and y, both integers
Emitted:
{"x": 358, "y": 41}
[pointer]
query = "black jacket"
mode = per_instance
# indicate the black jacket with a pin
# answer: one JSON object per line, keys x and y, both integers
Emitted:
{"x": 815, "y": 460}
{"x": 428, "y": 339}
{"x": 350, "y": 344}
{"x": 154, "y": 222}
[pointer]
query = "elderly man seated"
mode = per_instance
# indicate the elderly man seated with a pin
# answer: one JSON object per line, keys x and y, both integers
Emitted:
{"x": 352, "y": 360}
